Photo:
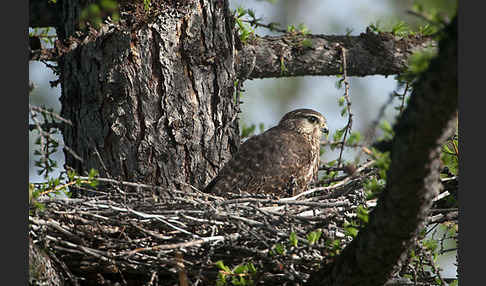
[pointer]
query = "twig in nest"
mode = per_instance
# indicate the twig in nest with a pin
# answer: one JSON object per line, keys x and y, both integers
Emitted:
{"x": 196, "y": 242}
{"x": 328, "y": 188}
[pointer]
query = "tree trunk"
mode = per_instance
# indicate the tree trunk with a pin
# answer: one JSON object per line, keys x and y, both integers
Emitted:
{"x": 156, "y": 101}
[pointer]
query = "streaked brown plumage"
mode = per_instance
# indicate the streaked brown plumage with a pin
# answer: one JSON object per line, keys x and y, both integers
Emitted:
{"x": 282, "y": 161}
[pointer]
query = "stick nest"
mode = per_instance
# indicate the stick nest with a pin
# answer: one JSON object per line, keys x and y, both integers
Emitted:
{"x": 151, "y": 236}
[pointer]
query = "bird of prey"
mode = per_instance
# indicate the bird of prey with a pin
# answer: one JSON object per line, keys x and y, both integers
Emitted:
{"x": 282, "y": 160}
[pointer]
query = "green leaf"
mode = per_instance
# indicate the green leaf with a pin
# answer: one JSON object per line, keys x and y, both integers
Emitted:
{"x": 454, "y": 283}
{"x": 339, "y": 83}
{"x": 240, "y": 269}
{"x": 251, "y": 267}
{"x": 332, "y": 163}
{"x": 447, "y": 149}
{"x": 39, "y": 206}
{"x": 418, "y": 62}
{"x": 303, "y": 29}
{"x": 382, "y": 162}
{"x": 293, "y": 239}
{"x": 339, "y": 134}
{"x": 354, "y": 138}
{"x": 146, "y": 5}
{"x": 430, "y": 244}
{"x": 313, "y": 236}
{"x": 426, "y": 30}
{"x": 221, "y": 266}
{"x": 240, "y": 11}
{"x": 334, "y": 246}
{"x": 412, "y": 254}
{"x": 362, "y": 213}
{"x": 341, "y": 100}
{"x": 400, "y": 29}
{"x": 239, "y": 23}
{"x": 238, "y": 281}
{"x": 344, "y": 111}
{"x": 221, "y": 281}
{"x": 306, "y": 43}
{"x": 386, "y": 127}
{"x": 94, "y": 183}
{"x": 247, "y": 131}
{"x": 261, "y": 126}
{"x": 336, "y": 243}
{"x": 93, "y": 173}
{"x": 376, "y": 27}
{"x": 279, "y": 248}
{"x": 283, "y": 68}
{"x": 449, "y": 158}
{"x": 322, "y": 150}
{"x": 452, "y": 231}
{"x": 351, "y": 230}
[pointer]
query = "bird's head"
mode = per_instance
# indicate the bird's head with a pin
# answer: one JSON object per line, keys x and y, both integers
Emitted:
{"x": 305, "y": 121}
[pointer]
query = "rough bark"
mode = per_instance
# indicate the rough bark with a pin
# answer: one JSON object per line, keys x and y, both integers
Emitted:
{"x": 154, "y": 100}
{"x": 412, "y": 181}
{"x": 369, "y": 53}
{"x": 42, "y": 269}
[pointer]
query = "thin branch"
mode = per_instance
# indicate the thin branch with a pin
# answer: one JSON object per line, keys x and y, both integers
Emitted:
{"x": 403, "y": 97}
{"x": 286, "y": 202}
{"x": 335, "y": 186}
{"x": 196, "y": 242}
{"x": 349, "y": 125}
{"x": 146, "y": 186}
{"x": 272, "y": 27}
{"x": 46, "y": 126}
{"x": 53, "y": 114}
{"x": 425, "y": 18}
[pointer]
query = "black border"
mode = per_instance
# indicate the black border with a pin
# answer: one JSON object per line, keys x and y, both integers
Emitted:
{"x": 471, "y": 120}
{"x": 14, "y": 118}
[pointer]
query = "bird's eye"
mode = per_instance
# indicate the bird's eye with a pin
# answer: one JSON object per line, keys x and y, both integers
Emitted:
{"x": 312, "y": 119}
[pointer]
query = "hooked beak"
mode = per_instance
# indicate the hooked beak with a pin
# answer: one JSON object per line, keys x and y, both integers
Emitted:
{"x": 325, "y": 130}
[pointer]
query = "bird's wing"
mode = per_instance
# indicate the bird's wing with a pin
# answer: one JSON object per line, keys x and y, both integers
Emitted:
{"x": 265, "y": 161}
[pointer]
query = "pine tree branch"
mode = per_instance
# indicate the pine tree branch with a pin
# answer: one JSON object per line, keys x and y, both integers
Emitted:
{"x": 369, "y": 53}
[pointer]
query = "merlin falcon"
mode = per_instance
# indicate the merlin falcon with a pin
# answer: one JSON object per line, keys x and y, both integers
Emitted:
{"x": 281, "y": 161}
